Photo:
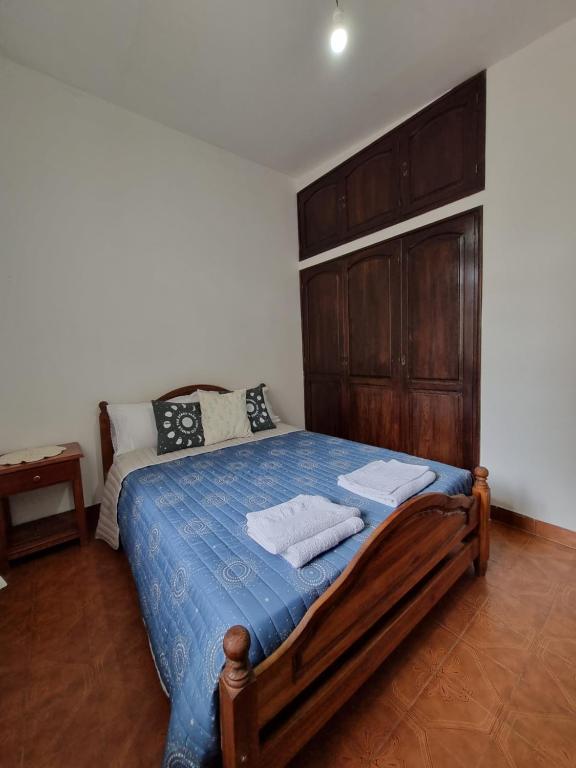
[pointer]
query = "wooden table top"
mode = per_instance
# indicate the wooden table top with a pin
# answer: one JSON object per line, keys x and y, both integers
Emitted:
{"x": 73, "y": 451}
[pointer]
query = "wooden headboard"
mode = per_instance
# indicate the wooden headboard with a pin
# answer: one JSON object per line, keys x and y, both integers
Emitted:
{"x": 106, "y": 446}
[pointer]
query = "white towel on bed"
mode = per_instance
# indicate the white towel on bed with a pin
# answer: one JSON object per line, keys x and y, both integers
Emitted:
{"x": 388, "y": 482}
{"x": 301, "y": 553}
{"x": 279, "y": 527}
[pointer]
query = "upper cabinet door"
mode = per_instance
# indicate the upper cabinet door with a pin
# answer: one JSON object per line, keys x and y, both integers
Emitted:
{"x": 322, "y": 319}
{"x": 443, "y": 149}
{"x": 434, "y": 158}
{"x": 372, "y": 187}
{"x": 320, "y": 209}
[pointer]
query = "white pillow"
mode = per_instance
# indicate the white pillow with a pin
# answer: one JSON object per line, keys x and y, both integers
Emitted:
{"x": 133, "y": 426}
{"x": 224, "y": 416}
{"x": 276, "y": 419}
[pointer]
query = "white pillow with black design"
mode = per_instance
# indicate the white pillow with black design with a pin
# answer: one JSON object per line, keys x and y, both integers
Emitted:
{"x": 179, "y": 426}
{"x": 257, "y": 408}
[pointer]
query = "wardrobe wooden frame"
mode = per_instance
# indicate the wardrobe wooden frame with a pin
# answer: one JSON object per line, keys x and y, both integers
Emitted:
{"x": 471, "y": 432}
{"x": 268, "y": 712}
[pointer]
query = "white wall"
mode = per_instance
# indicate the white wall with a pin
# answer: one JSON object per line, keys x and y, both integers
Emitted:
{"x": 133, "y": 259}
{"x": 529, "y": 314}
{"x": 528, "y": 426}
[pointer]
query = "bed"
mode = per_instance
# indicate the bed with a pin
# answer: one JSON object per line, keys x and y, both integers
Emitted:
{"x": 255, "y": 655}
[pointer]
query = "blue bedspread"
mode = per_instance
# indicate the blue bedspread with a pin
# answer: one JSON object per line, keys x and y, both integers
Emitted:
{"x": 197, "y": 572}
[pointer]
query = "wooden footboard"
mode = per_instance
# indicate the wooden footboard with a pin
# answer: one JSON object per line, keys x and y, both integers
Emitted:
{"x": 268, "y": 713}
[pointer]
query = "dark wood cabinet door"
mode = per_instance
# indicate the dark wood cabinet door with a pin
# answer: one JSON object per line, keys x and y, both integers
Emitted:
{"x": 440, "y": 352}
{"x": 324, "y": 411}
{"x": 374, "y": 415}
{"x": 434, "y": 303}
{"x": 373, "y": 307}
{"x": 433, "y": 158}
{"x": 435, "y": 426}
{"x": 320, "y": 214}
{"x": 371, "y": 183}
{"x": 372, "y": 345}
{"x": 443, "y": 149}
{"x": 322, "y": 319}
{"x": 322, "y": 335}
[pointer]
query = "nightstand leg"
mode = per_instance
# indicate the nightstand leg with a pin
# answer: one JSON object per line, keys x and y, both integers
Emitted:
{"x": 5, "y": 525}
{"x": 79, "y": 506}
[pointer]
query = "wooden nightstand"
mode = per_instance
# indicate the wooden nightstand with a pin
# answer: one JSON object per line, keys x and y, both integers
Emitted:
{"x": 19, "y": 540}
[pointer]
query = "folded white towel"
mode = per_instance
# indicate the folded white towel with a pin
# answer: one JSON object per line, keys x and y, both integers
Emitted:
{"x": 301, "y": 553}
{"x": 385, "y": 476}
{"x": 389, "y": 483}
{"x": 395, "y": 498}
{"x": 279, "y": 527}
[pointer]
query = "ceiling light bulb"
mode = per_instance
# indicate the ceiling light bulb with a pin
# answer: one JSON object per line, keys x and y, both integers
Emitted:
{"x": 339, "y": 37}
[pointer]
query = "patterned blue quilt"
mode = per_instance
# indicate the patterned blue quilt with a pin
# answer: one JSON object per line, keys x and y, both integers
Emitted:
{"x": 183, "y": 527}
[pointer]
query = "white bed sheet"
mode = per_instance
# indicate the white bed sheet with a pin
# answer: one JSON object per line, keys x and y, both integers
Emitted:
{"x": 107, "y": 528}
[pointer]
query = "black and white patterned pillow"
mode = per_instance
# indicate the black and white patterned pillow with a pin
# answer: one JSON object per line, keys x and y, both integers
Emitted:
{"x": 258, "y": 415}
{"x": 179, "y": 426}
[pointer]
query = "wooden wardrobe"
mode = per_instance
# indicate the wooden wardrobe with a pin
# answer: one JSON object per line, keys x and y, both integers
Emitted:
{"x": 392, "y": 343}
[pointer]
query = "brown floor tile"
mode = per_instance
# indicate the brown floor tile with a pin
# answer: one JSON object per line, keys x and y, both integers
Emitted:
{"x": 526, "y": 580}
{"x": 417, "y": 661}
{"x": 487, "y": 681}
{"x": 547, "y": 686}
{"x": 560, "y": 661}
{"x": 561, "y": 621}
{"x": 456, "y": 748}
{"x": 511, "y": 751}
{"x": 501, "y": 677}
{"x": 540, "y": 740}
{"x": 548, "y": 549}
{"x": 460, "y": 696}
{"x": 356, "y": 733}
{"x": 508, "y": 544}
{"x": 521, "y": 611}
{"x": 457, "y": 609}
{"x": 501, "y": 641}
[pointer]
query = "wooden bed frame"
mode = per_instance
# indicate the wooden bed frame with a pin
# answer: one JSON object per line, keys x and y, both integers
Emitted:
{"x": 269, "y": 712}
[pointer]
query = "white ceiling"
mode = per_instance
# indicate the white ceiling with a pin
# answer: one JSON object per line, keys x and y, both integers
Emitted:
{"x": 257, "y": 76}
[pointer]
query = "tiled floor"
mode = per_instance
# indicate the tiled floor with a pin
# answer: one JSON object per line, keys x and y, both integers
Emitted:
{"x": 488, "y": 681}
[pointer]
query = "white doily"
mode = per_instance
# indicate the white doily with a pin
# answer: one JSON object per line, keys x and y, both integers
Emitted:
{"x": 31, "y": 454}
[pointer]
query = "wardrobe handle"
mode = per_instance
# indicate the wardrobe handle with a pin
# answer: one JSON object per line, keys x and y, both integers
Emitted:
{"x": 403, "y": 360}
{"x": 404, "y": 168}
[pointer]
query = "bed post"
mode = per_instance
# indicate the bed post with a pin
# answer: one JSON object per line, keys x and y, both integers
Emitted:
{"x": 481, "y": 491}
{"x": 106, "y": 446}
{"x": 238, "y": 703}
